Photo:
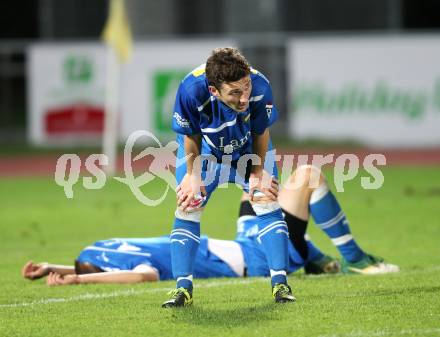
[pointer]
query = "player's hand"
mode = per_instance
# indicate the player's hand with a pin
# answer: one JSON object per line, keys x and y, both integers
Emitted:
{"x": 265, "y": 183}
{"x": 189, "y": 192}
{"x": 55, "y": 279}
{"x": 33, "y": 271}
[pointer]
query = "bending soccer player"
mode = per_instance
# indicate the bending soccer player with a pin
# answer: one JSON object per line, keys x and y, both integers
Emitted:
{"x": 222, "y": 116}
{"x": 306, "y": 193}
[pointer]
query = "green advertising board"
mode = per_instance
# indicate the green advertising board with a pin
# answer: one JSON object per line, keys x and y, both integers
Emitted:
{"x": 165, "y": 84}
{"x": 78, "y": 69}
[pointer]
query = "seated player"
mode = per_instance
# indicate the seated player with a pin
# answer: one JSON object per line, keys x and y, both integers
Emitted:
{"x": 307, "y": 192}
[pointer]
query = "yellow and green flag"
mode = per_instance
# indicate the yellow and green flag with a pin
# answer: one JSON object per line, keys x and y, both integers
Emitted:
{"x": 117, "y": 32}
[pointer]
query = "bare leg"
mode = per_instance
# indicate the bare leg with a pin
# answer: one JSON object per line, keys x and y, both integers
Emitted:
{"x": 294, "y": 196}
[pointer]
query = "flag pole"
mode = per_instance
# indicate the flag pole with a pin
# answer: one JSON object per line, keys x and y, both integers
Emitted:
{"x": 112, "y": 98}
{"x": 117, "y": 35}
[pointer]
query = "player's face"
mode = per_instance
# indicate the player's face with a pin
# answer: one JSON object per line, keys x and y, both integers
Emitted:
{"x": 234, "y": 94}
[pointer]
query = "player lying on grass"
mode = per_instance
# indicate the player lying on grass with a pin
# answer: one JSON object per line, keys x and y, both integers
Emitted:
{"x": 142, "y": 260}
{"x": 123, "y": 260}
{"x": 306, "y": 193}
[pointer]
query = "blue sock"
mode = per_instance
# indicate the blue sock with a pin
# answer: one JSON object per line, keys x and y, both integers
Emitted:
{"x": 273, "y": 235}
{"x": 331, "y": 219}
{"x": 185, "y": 239}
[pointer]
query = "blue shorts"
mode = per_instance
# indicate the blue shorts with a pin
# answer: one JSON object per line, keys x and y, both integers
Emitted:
{"x": 216, "y": 172}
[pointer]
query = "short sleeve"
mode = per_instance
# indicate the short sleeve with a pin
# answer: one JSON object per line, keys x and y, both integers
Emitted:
{"x": 145, "y": 268}
{"x": 186, "y": 117}
{"x": 263, "y": 113}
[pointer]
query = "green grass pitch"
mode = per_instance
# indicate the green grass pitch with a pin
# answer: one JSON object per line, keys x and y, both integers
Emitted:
{"x": 400, "y": 221}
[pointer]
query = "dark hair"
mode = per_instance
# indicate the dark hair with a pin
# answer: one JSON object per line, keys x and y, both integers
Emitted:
{"x": 226, "y": 65}
{"x": 86, "y": 268}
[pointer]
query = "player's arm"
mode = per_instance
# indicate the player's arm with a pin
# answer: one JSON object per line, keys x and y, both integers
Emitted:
{"x": 263, "y": 115}
{"x": 260, "y": 144}
{"x": 191, "y": 184}
{"x": 148, "y": 274}
{"x": 193, "y": 144}
{"x": 186, "y": 121}
{"x": 33, "y": 271}
{"x": 260, "y": 179}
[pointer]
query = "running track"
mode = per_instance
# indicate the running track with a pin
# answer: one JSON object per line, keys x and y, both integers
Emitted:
{"x": 44, "y": 165}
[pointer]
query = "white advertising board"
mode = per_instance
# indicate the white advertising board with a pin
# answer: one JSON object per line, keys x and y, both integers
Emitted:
{"x": 380, "y": 91}
{"x": 66, "y": 93}
{"x": 66, "y": 88}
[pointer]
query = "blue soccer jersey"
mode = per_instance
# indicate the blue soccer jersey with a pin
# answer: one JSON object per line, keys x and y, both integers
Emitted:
{"x": 127, "y": 254}
{"x": 224, "y": 130}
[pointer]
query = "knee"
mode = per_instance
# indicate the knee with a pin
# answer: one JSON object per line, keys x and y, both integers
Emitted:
{"x": 265, "y": 206}
{"x": 306, "y": 177}
{"x": 194, "y": 216}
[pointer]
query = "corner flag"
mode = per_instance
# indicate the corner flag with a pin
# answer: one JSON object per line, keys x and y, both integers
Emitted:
{"x": 117, "y": 32}
{"x": 117, "y": 35}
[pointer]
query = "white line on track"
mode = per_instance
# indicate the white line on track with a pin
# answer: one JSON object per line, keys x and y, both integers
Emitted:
{"x": 128, "y": 292}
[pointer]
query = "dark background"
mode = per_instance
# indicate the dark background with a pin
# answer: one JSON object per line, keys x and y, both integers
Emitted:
{"x": 260, "y": 25}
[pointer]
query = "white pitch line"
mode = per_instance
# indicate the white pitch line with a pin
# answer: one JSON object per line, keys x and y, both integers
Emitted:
{"x": 379, "y": 333}
{"x": 132, "y": 292}
{"x": 129, "y": 292}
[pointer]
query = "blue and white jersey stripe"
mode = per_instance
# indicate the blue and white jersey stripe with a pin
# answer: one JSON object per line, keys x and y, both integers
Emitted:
{"x": 129, "y": 253}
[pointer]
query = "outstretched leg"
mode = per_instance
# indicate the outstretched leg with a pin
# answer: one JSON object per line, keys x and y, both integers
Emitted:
{"x": 294, "y": 199}
{"x": 308, "y": 186}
